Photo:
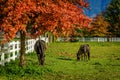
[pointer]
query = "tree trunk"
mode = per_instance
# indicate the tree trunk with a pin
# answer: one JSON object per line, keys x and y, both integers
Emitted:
{"x": 22, "y": 51}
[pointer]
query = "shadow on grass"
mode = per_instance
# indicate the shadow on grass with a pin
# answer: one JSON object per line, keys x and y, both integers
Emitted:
{"x": 65, "y": 58}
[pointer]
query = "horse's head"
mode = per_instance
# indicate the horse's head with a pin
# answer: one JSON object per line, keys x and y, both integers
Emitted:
{"x": 78, "y": 57}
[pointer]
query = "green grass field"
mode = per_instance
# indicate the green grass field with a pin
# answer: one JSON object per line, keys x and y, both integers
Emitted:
{"x": 61, "y": 64}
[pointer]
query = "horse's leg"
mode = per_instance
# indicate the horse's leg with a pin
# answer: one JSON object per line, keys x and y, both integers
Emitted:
{"x": 88, "y": 55}
{"x": 38, "y": 55}
{"x": 42, "y": 59}
{"x": 85, "y": 57}
{"x": 81, "y": 58}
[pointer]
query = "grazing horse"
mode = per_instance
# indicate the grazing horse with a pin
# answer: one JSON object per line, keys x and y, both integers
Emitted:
{"x": 84, "y": 51}
{"x": 40, "y": 47}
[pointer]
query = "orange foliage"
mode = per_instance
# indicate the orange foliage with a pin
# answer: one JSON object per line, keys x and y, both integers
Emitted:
{"x": 99, "y": 26}
{"x": 39, "y": 16}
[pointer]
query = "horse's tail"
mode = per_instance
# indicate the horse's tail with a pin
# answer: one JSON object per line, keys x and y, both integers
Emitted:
{"x": 41, "y": 48}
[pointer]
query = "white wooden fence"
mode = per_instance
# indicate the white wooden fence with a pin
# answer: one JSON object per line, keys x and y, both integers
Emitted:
{"x": 92, "y": 39}
{"x": 11, "y": 50}
{"x": 100, "y": 39}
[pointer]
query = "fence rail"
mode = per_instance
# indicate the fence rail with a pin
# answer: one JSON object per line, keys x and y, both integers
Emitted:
{"x": 12, "y": 50}
{"x": 92, "y": 39}
{"x": 100, "y": 39}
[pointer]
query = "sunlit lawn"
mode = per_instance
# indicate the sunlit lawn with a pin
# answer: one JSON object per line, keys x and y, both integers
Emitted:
{"x": 61, "y": 64}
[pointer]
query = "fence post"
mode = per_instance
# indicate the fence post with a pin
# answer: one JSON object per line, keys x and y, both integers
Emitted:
{"x": 13, "y": 56}
{"x": 18, "y": 49}
{"x": 83, "y": 39}
{"x": 2, "y": 59}
{"x": 8, "y": 52}
{"x": 97, "y": 39}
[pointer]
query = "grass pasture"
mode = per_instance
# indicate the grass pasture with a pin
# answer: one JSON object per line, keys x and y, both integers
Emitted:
{"x": 61, "y": 64}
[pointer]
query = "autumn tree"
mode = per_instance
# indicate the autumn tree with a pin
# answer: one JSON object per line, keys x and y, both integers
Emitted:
{"x": 99, "y": 26}
{"x": 112, "y": 15}
{"x": 35, "y": 17}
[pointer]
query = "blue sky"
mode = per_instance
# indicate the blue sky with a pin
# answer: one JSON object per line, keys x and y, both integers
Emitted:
{"x": 96, "y": 7}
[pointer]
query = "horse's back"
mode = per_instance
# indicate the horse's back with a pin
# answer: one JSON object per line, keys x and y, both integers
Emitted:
{"x": 38, "y": 43}
{"x": 85, "y": 48}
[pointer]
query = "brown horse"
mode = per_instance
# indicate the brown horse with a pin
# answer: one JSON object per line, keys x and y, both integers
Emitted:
{"x": 40, "y": 47}
{"x": 84, "y": 51}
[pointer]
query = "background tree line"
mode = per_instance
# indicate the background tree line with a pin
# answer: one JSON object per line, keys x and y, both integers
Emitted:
{"x": 107, "y": 23}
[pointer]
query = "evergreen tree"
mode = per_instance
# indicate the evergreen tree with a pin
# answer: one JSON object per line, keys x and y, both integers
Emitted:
{"x": 112, "y": 15}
